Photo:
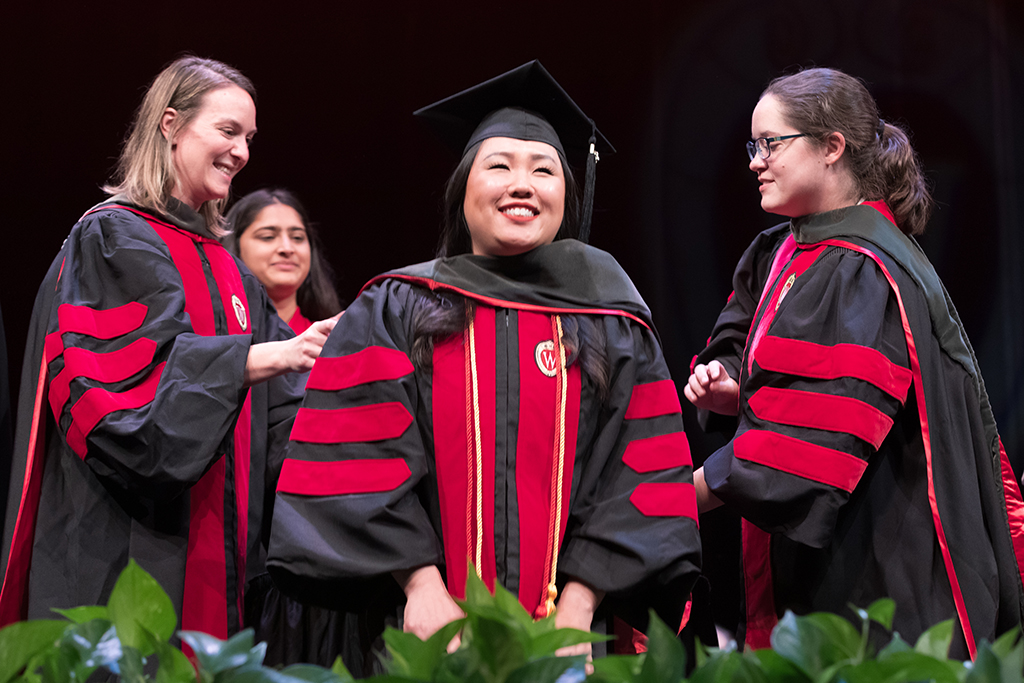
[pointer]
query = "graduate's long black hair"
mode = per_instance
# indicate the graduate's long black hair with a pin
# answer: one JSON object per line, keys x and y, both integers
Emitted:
{"x": 443, "y": 315}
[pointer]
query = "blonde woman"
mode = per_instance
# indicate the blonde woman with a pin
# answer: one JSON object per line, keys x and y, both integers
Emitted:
{"x": 157, "y": 385}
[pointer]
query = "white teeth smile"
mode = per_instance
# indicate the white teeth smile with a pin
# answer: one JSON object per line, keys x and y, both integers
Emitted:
{"x": 519, "y": 211}
{"x": 223, "y": 169}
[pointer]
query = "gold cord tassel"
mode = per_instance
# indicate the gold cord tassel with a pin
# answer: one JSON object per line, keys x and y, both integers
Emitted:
{"x": 477, "y": 453}
{"x": 558, "y": 470}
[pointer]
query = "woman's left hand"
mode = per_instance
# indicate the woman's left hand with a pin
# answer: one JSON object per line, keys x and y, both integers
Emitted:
{"x": 576, "y": 610}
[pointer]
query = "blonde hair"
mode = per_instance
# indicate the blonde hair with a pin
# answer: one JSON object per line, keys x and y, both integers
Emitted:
{"x": 145, "y": 172}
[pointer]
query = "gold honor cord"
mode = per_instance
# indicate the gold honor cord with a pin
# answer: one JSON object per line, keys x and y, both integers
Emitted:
{"x": 478, "y": 482}
{"x": 559, "y": 468}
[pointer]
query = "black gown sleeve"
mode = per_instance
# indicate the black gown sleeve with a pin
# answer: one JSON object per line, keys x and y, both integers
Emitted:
{"x": 632, "y": 528}
{"x": 729, "y": 335}
{"x": 347, "y": 511}
{"x": 826, "y": 381}
{"x": 140, "y": 397}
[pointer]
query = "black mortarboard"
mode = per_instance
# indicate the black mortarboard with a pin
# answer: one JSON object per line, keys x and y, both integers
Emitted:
{"x": 525, "y": 103}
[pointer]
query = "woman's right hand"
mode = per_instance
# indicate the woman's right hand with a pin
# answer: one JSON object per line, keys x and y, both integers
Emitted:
{"x": 297, "y": 354}
{"x": 711, "y": 388}
{"x": 428, "y": 605}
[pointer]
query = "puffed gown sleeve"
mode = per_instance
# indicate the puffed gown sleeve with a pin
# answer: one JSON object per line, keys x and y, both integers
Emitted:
{"x": 729, "y": 335}
{"x": 139, "y": 396}
{"x": 347, "y": 511}
{"x": 818, "y": 398}
{"x": 632, "y": 528}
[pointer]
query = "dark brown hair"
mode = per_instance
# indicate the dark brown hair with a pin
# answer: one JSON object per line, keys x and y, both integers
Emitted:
{"x": 317, "y": 298}
{"x": 881, "y": 160}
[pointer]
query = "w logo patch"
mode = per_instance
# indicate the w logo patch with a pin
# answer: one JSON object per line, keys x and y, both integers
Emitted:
{"x": 546, "y": 357}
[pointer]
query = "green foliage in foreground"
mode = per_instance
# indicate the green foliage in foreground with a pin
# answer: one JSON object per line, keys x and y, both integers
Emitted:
{"x": 130, "y": 637}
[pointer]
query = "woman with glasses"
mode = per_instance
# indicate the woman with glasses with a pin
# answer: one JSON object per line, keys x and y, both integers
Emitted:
{"x": 865, "y": 461}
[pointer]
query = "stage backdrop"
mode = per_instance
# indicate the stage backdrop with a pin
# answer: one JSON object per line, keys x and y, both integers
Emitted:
{"x": 670, "y": 82}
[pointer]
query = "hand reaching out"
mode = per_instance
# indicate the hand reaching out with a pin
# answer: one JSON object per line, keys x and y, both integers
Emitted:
{"x": 711, "y": 388}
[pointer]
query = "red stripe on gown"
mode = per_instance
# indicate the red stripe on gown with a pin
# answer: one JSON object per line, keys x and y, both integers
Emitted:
{"x": 451, "y": 448}
{"x": 804, "y": 260}
{"x": 653, "y": 399}
{"x": 658, "y": 453}
{"x": 205, "y": 600}
{"x": 115, "y": 366}
{"x": 372, "y": 364}
{"x": 535, "y": 455}
{"x": 821, "y": 411}
{"x": 758, "y": 587}
{"x": 802, "y": 458}
{"x": 665, "y": 499}
{"x": 1014, "y": 508}
{"x": 14, "y": 594}
{"x": 95, "y": 404}
{"x": 374, "y": 422}
{"x": 239, "y": 321}
{"x": 807, "y": 359}
{"x": 341, "y": 477}
{"x": 102, "y": 324}
{"x": 918, "y": 383}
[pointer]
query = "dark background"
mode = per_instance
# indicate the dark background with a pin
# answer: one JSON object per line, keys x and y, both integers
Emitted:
{"x": 670, "y": 83}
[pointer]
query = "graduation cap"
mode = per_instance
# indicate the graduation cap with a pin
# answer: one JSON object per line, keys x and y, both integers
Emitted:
{"x": 525, "y": 103}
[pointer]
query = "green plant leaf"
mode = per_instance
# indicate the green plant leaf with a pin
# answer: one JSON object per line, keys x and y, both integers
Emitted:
{"x": 499, "y": 643}
{"x": 95, "y": 643}
{"x": 897, "y": 644}
{"x": 477, "y": 594}
{"x": 80, "y": 615}
{"x": 215, "y": 655}
{"x": 618, "y": 668}
{"x": 815, "y": 642}
{"x": 936, "y": 640}
{"x": 1005, "y": 643}
{"x": 899, "y": 668}
{"x": 341, "y": 670}
{"x": 138, "y": 602}
{"x": 131, "y": 665}
{"x": 666, "y": 659}
{"x": 316, "y": 674}
{"x": 881, "y": 611}
{"x": 546, "y": 644}
{"x": 775, "y": 667}
{"x": 417, "y": 658}
{"x": 550, "y": 670}
{"x": 22, "y": 641}
{"x": 509, "y": 604}
{"x": 174, "y": 666}
{"x": 988, "y": 667}
{"x": 729, "y": 666}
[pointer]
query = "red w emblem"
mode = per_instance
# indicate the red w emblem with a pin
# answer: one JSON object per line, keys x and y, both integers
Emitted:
{"x": 546, "y": 357}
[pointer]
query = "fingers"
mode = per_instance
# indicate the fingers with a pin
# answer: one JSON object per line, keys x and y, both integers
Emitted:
{"x": 454, "y": 645}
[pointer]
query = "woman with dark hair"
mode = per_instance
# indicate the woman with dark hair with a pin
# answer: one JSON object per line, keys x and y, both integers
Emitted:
{"x": 505, "y": 409}
{"x": 866, "y": 461}
{"x": 271, "y": 232}
{"x": 158, "y": 391}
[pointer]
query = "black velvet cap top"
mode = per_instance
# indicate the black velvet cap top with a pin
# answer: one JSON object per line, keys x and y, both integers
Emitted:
{"x": 525, "y": 103}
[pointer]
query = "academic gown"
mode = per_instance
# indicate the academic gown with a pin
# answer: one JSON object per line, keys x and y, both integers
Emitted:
{"x": 866, "y": 461}
{"x": 136, "y": 437}
{"x": 392, "y": 466}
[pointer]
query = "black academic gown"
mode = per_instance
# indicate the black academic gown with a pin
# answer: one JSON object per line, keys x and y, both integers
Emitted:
{"x": 865, "y": 461}
{"x": 392, "y": 466}
{"x": 136, "y": 437}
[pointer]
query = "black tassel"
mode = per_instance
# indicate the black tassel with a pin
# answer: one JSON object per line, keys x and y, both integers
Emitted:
{"x": 588, "y": 188}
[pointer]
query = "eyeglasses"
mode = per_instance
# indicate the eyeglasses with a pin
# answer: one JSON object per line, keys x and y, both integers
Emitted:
{"x": 762, "y": 146}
